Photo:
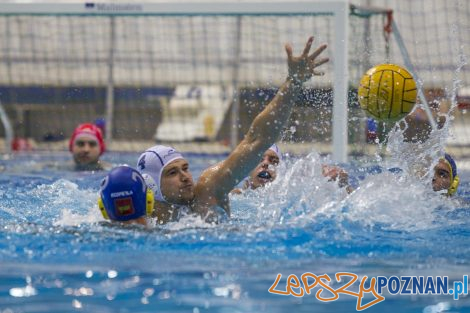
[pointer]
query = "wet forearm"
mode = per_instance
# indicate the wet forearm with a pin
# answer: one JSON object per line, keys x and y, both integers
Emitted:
{"x": 268, "y": 125}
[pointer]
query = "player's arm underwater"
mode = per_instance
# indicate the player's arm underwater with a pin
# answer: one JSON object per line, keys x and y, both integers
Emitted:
{"x": 217, "y": 181}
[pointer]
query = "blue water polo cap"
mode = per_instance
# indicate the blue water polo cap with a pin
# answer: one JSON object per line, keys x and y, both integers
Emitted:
{"x": 453, "y": 165}
{"x": 124, "y": 194}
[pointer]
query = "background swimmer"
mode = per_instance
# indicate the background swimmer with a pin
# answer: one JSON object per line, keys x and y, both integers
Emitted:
{"x": 445, "y": 176}
{"x": 264, "y": 172}
{"x": 87, "y": 145}
{"x": 445, "y": 179}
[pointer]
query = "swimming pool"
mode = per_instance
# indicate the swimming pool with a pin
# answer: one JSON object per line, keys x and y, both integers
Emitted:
{"x": 56, "y": 256}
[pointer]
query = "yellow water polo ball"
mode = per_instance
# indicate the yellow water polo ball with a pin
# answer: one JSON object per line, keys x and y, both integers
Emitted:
{"x": 387, "y": 92}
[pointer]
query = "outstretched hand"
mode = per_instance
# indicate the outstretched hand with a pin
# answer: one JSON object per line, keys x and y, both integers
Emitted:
{"x": 335, "y": 173}
{"x": 302, "y": 68}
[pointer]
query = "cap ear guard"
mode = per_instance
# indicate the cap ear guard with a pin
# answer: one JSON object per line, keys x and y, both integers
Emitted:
{"x": 102, "y": 209}
{"x": 453, "y": 186}
{"x": 453, "y": 174}
{"x": 150, "y": 201}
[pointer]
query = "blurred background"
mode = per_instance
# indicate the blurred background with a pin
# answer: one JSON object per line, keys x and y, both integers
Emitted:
{"x": 197, "y": 81}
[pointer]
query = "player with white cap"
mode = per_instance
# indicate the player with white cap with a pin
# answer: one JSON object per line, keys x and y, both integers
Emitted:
{"x": 264, "y": 172}
{"x": 167, "y": 171}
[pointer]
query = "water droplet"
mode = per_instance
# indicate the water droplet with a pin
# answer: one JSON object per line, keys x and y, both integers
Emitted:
{"x": 149, "y": 292}
{"x": 76, "y": 304}
{"x": 27, "y": 291}
{"x": 112, "y": 274}
{"x": 164, "y": 295}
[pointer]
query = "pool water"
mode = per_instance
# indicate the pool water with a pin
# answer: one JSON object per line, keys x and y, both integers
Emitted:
{"x": 57, "y": 255}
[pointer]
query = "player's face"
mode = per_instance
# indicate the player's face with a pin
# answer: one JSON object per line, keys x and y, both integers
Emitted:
{"x": 441, "y": 179}
{"x": 177, "y": 182}
{"x": 86, "y": 150}
{"x": 265, "y": 172}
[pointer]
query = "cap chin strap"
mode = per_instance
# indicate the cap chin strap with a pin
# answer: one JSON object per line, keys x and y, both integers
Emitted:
{"x": 150, "y": 202}
{"x": 152, "y": 185}
{"x": 102, "y": 209}
{"x": 455, "y": 180}
{"x": 453, "y": 186}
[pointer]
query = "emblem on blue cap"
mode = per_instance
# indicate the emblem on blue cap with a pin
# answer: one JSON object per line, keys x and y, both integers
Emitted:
{"x": 123, "y": 195}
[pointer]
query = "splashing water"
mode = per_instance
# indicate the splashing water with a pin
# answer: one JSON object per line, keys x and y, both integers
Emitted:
{"x": 53, "y": 236}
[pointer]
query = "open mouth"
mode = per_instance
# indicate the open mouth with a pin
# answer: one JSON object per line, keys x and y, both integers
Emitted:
{"x": 264, "y": 175}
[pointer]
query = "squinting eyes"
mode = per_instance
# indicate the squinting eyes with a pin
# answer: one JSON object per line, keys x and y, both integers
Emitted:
{"x": 83, "y": 143}
{"x": 442, "y": 174}
{"x": 274, "y": 161}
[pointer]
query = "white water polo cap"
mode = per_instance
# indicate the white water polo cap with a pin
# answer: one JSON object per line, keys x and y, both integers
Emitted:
{"x": 276, "y": 150}
{"x": 151, "y": 164}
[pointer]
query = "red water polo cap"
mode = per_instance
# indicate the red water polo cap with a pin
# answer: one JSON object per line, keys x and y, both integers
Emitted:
{"x": 88, "y": 130}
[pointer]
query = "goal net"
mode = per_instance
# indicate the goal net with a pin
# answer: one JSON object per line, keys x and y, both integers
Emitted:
{"x": 197, "y": 72}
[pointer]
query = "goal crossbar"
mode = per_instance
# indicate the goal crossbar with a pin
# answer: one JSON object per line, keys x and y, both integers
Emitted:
{"x": 176, "y": 8}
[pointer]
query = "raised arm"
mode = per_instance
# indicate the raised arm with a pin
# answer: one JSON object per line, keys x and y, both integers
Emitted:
{"x": 267, "y": 126}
